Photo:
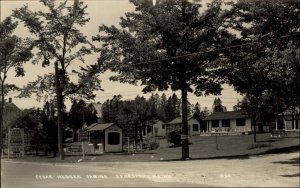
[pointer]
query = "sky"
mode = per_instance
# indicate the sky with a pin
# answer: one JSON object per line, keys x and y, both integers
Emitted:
{"x": 106, "y": 12}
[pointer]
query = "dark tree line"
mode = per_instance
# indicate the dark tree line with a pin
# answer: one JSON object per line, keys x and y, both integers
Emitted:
{"x": 40, "y": 129}
{"x": 156, "y": 107}
{"x": 134, "y": 115}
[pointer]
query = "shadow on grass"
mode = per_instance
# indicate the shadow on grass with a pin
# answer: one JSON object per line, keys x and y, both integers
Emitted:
{"x": 268, "y": 141}
{"x": 294, "y": 161}
{"x": 289, "y": 149}
{"x": 291, "y": 175}
{"x": 246, "y": 156}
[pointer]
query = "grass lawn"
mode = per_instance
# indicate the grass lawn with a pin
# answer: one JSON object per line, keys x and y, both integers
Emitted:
{"x": 203, "y": 147}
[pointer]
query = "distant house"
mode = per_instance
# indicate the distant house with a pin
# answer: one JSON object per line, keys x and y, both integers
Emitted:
{"x": 11, "y": 113}
{"x": 176, "y": 125}
{"x": 290, "y": 122}
{"x": 156, "y": 128}
{"x": 233, "y": 121}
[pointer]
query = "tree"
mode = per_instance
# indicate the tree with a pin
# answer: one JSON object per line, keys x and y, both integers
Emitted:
{"x": 75, "y": 119}
{"x": 283, "y": 70}
{"x": 14, "y": 52}
{"x": 90, "y": 114}
{"x": 28, "y": 121}
{"x": 266, "y": 27}
{"x": 217, "y": 106}
{"x": 162, "y": 106}
{"x": 59, "y": 42}
{"x": 155, "y": 43}
{"x": 170, "y": 109}
{"x": 204, "y": 112}
{"x": 197, "y": 112}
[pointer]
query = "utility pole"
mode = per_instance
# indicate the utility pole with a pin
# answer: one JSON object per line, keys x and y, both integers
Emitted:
{"x": 1, "y": 135}
{"x": 59, "y": 106}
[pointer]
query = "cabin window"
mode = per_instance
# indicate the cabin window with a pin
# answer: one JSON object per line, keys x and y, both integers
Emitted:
{"x": 149, "y": 129}
{"x": 113, "y": 138}
{"x": 226, "y": 123}
{"x": 163, "y": 126}
{"x": 240, "y": 122}
{"x": 215, "y": 123}
{"x": 195, "y": 127}
{"x": 144, "y": 131}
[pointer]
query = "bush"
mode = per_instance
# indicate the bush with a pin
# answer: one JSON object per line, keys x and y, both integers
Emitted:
{"x": 153, "y": 145}
{"x": 174, "y": 138}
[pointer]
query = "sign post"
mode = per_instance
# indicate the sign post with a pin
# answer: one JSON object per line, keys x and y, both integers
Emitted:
{"x": 16, "y": 141}
{"x": 183, "y": 136}
{"x": 83, "y": 136}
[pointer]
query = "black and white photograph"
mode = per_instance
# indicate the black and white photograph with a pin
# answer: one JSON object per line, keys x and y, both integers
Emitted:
{"x": 149, "y": 93}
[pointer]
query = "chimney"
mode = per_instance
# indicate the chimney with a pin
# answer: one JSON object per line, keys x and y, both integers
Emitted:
{"x": 10, "y": 100}
{"x": 99, "y": 120}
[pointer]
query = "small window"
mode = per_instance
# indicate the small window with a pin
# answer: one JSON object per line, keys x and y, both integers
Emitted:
{"x": 149, "y": 129}
{"x": 163, "y": 126}
{"x": 195, "y": 127}
{"x": 226, "y": 123}
{"x": 113, "y": 138}
{"x": 144, "y": 131}
{"x": 240, "y": 122}
{"x": 215, "y": 123}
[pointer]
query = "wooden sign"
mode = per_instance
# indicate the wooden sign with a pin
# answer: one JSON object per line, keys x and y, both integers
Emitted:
{"x": 16, "y": 141}
{"x": 83, "y": 136}
{"x": 183, "y": 136}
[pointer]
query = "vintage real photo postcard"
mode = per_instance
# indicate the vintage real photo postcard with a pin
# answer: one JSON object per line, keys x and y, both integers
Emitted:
{"x": 149, "y": 93}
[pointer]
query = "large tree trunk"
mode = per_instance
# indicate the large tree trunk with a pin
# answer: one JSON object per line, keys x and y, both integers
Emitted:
{"x": 1, "y": 117}
{"x": 185, "y": 141}
{"x": 59, "y": 114}
{"x": 293, "y": 122}
{"x": 254, "y": 126}
{"x": 1, "y": 126}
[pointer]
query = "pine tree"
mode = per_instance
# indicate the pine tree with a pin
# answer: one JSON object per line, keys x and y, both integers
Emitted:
{"x": 217, "y": 106}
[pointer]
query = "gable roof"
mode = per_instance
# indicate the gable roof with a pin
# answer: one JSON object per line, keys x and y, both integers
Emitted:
{"x": 178, "y": 120}
{"x": 10, "y": 113}
{"x": 99, "y": 126}
{"x": 227, "y": 115}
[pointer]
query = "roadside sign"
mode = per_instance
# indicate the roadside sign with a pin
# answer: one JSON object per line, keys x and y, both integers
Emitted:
{"x": 83, "y": 136}
{"x": 183, "y": 136}
{"x": 16, "y": 141}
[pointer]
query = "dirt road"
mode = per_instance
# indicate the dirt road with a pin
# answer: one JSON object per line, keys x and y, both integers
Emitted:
{"x": 276, "y": 170}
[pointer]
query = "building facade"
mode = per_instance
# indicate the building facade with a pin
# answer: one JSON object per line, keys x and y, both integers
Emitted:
{"x": 176, "y": 125}
{"x": 233, "y": 121}
{"x": 106, "y": 136}
{"x": 157, "y": 128}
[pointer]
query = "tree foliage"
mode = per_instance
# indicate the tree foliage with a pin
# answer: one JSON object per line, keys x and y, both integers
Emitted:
{"x": 218, "y": 106}
{"x": 270, "y": 60}
{"x": 267, "y": 29}
{"x": 80, "y": 114}
{"x": 14, "y": 52}
{"x": 135, "y": 115}
{"x": 154, "y": 44}
{"x": 58, "y": 39}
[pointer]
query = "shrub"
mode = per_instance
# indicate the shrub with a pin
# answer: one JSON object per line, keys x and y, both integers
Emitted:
{"x": 154, "y": 144}
{"x": 174, "y": 138}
